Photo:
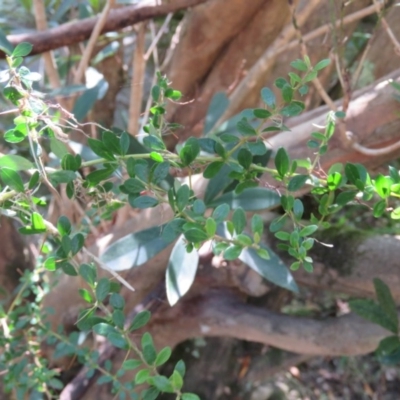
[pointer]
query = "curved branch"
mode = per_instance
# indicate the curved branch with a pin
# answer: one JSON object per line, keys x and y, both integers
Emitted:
{"x": 75, "y": 32}
{"x": 221, "y": 314}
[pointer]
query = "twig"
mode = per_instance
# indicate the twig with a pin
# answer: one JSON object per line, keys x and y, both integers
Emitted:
{"x": 387, "y": 27}
{"x": 138, "y": 69}
{"x": 157, "y": 38}
{"x": 92, "y": 42}
{"x": 76, "y": 389}
{"x": 75, "y": 32}
{"x": 264, "y": 63}
{"x": 374, "y": 152}
{"x": 316, "y": 82}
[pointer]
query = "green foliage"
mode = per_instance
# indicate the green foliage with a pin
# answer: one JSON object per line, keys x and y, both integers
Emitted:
{"x": 124, "y": 171}
{"x": 383, "y": 313}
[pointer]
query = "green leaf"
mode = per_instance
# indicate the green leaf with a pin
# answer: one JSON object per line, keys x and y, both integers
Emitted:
{"x": 386, "y": 301}
{"x": 153, "y": 142}
{"x": 85, "y": 294}
{"x": 160, "y": 172}
{"x": 150, "y": 394}
{"x": 136, "y": 248}
{"x": 300, "y": 65}
{"x": 182, "y": 197}
{"x": 141, "y": 377}
{"x": 379, "y": 208}
{"x": 322, "y": 64}
{"x": 70, "y": 162}
{"x": 163, "y": 356}
{"x": 118, "y": 340}
{"x": 12, "y": 179}
{"x": 117, "y": 301}
{"x": 280, "y": 82}
{"x": 220, "y": 213}
{"x": 395, "y": 214}
{"x": 162, "y": 383}
{"x": 251, "y": 199}
{"x": 257, "y": 224}
{"x": 239, "y": 220}
{"x": 268, "y": 97}
{"x": 287, "y": 93}
{"x": 50, "y": 264}
{"x": 173, "y": 94}
{"x": 15, "y": 162}
{"x": 88, "y": 273}
{"x": 198, "y": 207}
{"x": 58, "y": 148}
{"x": 131, "y": 364}
{"x": 382, "y": 185}
{"x": 212, "y": 169}
{"x": 189, "y": 151}
{"x": 388, "y": 345}
{"x": 195, "y": 235}
{"x": 345, "y": 197}
{"x": 282, "y": 162}
{"x": 176, "y": 380}
{"x": 371, "y": 311}
{"x": 273, "y": 269}
{"x": 133, "y": 185}
{"x": 211, "y": 227}
{"x": 219, "y": 103}
{"x": 217, "y": 184}
{"x": 261, "y": 113}
{"x": 140, "y": 320}
{"x": 308, "y": 230}
{"x": 14, "y": 136}
{"x": 63, "y": 225}
{"x": 38, "y": 222}
{"x": 173, "y": 229}
{"x": 334, "y": 180}
{"x": 102, "y": 289}
{"x": 100, "y": 149}
{"x": 190, "y": 396}
{"x": 59, "y": 177}
{"x": 22, "y": 50}
{"x": 293, "y": 109}
{"x": 244, "y": 127}
{"x": 143, "y": 202}
{"x": 232, "y": 252}
{"x": 155, "y": 92}
{"x": 68, "y": 269}
{"x": 181, "y": 271}
{"x": 297, "y": 182}
{"x": 245, "y": 158}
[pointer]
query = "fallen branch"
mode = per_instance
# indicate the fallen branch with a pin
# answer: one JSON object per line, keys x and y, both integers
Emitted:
{"x": 79, "y": 31}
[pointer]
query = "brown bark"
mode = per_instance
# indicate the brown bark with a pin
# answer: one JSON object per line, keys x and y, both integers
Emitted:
{"x": 243, "y": 52}
{"x": 205, "y": 71}
{"x": 75, "y": 32}
{"x": 382, "y": 54}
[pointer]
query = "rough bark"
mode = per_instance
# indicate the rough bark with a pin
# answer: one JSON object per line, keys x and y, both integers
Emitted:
{"x": 76, "y": 32}
{"x": 242, "y": 52}
{"x": 242, "y": 34}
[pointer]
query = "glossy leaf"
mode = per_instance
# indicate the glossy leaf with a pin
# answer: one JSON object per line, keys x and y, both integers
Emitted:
{"x": 274, "y": 270}
{"x": 219, "y": 103}
{"x": 12, "y": 179}
{"x": 252, "y": 199}
{"x": 386, "y": 301}
{"x": 181, "y": 271}
{"x": 135, "y": 249}
{"x": 268, "y": 97}
{"x": 15, "y": 162}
